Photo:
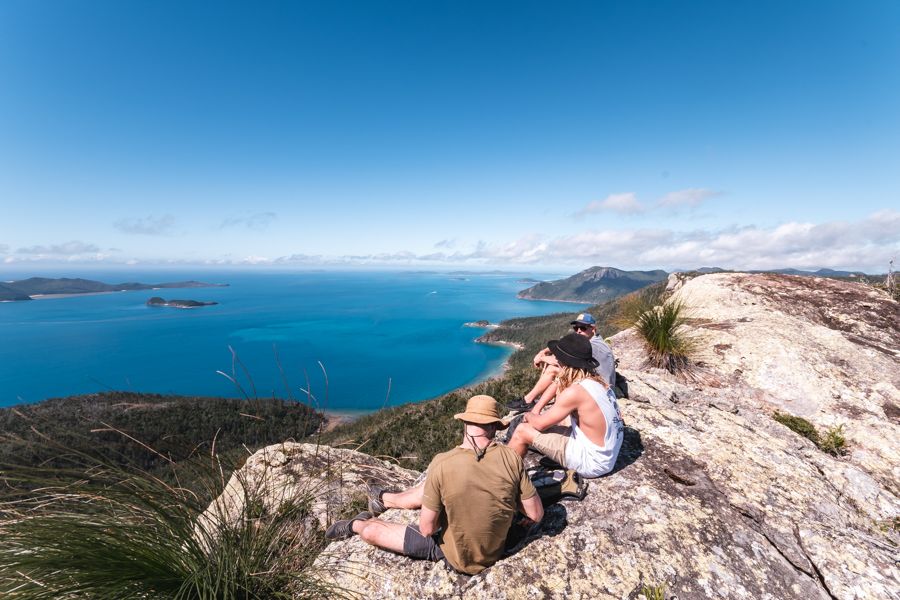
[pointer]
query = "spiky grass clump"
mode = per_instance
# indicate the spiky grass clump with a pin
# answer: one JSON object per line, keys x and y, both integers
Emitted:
{"x": 664, "y": 332}
{"x": 653, "y": 592}
{"x": 107, "y": 532}
{"x": 833, "y": 441}
{"x": 635, "y": 304}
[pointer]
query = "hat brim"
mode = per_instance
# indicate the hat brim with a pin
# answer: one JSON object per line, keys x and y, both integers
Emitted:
{"x": 481, "y": 419}
{"x": 582, "y": 323}
{"x": 568, "y": 360}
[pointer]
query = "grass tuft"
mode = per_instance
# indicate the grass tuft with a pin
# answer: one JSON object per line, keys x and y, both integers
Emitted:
{"x": 97, "y": 530}
{"x": 668, "y": 345}
{"x": 831, "y": 442}
{"x": 653, "y": 592}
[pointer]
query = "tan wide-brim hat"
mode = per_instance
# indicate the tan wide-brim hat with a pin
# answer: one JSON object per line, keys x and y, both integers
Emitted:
{"x": 481, "y": 410}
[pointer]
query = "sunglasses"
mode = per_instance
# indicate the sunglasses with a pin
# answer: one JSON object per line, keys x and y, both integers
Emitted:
{"x": 581, "y": 327}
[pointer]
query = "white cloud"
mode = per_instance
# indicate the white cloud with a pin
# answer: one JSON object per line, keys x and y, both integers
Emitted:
{"x": 257, "y": 222}
{"x": 73, "y": 251}
{"x": 3, "y": 248}
{"x": 448, "y": 243}
{"x": 690, "y": 198}
{"x": 65, "y": 249}
{"x": 150, "y": 225}
{"x": 626, "y": 204}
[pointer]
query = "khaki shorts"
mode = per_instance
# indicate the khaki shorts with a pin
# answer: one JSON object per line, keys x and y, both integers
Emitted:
{"x": 552, "y": 443}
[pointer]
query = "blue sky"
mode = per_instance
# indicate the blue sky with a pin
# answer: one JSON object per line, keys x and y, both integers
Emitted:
{"x": 430, "y": 134}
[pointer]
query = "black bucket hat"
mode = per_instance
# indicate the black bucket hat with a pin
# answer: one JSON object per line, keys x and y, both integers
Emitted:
{"x": 574, "y": 350}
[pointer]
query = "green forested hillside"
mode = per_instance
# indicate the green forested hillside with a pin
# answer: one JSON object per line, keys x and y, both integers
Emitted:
{"x": 597, "y": 284}
{"x": 146, "y": 430}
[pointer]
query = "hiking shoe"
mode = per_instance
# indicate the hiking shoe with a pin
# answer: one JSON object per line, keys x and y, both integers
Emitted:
{"x": 376, "y": 504}
{"x": 519, "y": 405}
{"x": 343, "y": 529}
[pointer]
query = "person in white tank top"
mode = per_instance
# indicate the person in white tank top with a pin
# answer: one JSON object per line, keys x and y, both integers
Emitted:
{"x": 591, "y": 445}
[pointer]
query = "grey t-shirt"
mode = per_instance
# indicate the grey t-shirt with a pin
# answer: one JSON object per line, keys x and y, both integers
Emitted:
{"x": 603, "y": 354}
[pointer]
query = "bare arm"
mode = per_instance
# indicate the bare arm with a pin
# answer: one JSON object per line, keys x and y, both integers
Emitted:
{"x": 544, "y": 356}
{"x": 428, "y": 521}
{"x": 566, "y": 403}
{"x": 533, "y": 508}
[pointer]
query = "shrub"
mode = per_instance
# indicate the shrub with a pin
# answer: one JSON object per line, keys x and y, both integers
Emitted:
{"x": 97, "y": 530}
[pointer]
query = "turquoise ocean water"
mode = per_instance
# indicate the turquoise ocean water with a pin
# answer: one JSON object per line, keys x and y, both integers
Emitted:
{"x": 370, "y": 331}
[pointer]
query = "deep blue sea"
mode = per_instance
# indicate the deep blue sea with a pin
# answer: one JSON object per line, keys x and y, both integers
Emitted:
{"x": 382, "y": 338}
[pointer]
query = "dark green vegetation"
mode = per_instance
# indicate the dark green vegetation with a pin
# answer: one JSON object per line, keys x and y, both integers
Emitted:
{"x": 832, "y": 441}
{"x": 25, "y": 288}
{"x": 146, "y": 431}
{"x": 157, "y": 301}
{"x": 114, "y": 532}
{"x": 597, "y": 285}
{"x": 413, "y": 433}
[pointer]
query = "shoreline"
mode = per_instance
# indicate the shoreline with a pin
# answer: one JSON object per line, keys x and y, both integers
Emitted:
{"x": 71, "y": 295}
{"x": 552, "y": 300}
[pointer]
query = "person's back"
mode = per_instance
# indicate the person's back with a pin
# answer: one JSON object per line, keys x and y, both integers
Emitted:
{"x": 597, "y": 418}
{"x": 477, "y": 500}
{"x": 603, "y": 354}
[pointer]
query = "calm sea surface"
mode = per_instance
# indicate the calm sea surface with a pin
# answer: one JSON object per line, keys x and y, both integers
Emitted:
{"x": 383, "y": 338}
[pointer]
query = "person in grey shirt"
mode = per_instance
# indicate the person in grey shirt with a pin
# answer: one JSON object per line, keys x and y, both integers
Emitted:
{"x": 545, "y": 388}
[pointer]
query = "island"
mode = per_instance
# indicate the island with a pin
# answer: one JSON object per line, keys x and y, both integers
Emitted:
{"x": 157, "y": 301}
{"x": 42, "y": 287}
{"x": 483, "y": 323}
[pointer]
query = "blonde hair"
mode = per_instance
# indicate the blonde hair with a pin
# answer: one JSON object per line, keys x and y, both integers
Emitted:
{"x": 570, "y": 375}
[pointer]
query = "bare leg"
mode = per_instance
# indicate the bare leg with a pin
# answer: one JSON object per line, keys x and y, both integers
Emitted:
{"x": 382, "y": 534}
{"x": 411, "y": 498}
{"x": 522, "y": 437}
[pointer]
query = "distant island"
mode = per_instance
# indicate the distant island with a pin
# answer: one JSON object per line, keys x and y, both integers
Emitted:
{"x": 38, "y": 287}
{"x": 484, "y": 323}
{"x": 157, "y": 301}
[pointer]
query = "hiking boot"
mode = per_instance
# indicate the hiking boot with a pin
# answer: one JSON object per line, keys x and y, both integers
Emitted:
{"x": 343, "y": 529}
{"x": 519, "y": 405}
{"x": 376, "y": 503}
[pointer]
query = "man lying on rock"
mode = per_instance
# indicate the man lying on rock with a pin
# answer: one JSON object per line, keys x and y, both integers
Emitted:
{"x": 467, "y": 501}
{"x": 545, "y": 389}
{"x": 591, "y": 442}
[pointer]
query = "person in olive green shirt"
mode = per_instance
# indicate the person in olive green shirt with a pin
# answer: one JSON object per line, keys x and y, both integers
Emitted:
{"x": 467, "y": 501}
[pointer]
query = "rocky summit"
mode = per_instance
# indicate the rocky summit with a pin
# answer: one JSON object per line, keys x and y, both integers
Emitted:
{"x": 711, "y": 497}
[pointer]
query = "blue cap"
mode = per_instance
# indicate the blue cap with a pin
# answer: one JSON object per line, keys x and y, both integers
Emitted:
{"x": 584, "y": 319}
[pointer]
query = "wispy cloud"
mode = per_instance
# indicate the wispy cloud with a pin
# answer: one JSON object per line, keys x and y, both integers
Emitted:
{"x": 449, "y": 243}
{"x": 689, "y": 198}
{"x": 73, "y": 251}
{"x": 256, "y": 222}
{"x": 65, "y": 249}
{"x": 150, "y": 225}
{"x": 625, "y": 204}
{"x": 629, "y": 204}
{"x": 865, "y": 244}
